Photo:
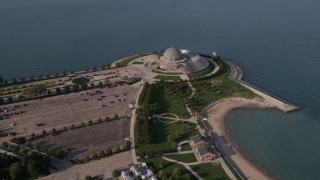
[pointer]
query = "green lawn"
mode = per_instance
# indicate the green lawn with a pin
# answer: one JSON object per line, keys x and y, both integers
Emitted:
{"x": 166, "y": 120}
{"x": 49, "y": 86}
{"x": 171, "y": 103}
{"x": 169, "y": 73}
{"x": 167, "y": 78}
{"x": 206, "y": 93}
{"x": 168, "y": 167}
{"x": 127, "y": 60}
{"x": 201, "y": 124}
{"x": 185, "y": 147}
{"x": 187, "y": 158}
{"x": 210, "y": 172}
{"x": 137, "y": 62}
{"x": 159, "y": 133}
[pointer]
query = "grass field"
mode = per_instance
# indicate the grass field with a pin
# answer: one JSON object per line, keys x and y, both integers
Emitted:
{"x": 167, "y": 78}
{"x": 185, "y": 147}
{"x": 210, "y": 172}
{"x": 169, "y": 73}
{"x": 137, "y": 62}
{"x": 166, "y": 120}
{"x": 159, "y": 137}
{"x": 187, "y": 158}
{"x": 207, "y": 93}
{"x": 171, "y": 103}
{"x": 201, "y": 124}
{"x": 168, "y": 167}
{"x": 127, "y": 60}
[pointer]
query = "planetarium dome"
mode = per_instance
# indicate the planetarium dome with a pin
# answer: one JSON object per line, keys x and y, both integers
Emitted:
{"x": 172, "y": 54}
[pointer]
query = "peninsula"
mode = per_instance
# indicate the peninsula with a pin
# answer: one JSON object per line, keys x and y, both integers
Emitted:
{"x": 157, "y": 115}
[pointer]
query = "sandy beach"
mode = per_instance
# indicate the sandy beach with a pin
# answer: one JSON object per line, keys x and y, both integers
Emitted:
{"x": 217, "y": 115}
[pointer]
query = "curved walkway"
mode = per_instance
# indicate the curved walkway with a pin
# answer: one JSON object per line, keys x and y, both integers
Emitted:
{"x": 180, "y": 144}
{"x": 183, "y": 164}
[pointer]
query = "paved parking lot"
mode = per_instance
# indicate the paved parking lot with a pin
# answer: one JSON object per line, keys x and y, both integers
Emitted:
{"x": 88, "y": 140}
{"x": 65, "y": 110}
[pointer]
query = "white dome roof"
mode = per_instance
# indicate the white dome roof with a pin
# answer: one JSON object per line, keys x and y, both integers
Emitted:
{"x": 172, "y": 54}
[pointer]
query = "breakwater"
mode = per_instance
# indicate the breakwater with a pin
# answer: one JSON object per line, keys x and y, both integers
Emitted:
{"x": 237, "y": 75}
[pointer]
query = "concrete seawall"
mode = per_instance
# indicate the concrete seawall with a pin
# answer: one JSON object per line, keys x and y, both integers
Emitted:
{"x": 237, "y": 75}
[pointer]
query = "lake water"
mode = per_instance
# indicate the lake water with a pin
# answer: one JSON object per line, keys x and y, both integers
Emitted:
{"x": 275, "y": 42}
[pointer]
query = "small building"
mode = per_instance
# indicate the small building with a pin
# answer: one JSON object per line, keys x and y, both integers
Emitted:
{"x": 142, "y": 171}
{"x": 126, "y": 176}
{"x": 198, "y": 141}
{"x": 206, "y": 154}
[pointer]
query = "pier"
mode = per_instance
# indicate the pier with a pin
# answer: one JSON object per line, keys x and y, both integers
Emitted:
{"x": 237, "y": 76}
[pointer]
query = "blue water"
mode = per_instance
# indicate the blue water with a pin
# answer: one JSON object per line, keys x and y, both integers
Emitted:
{"x": 276, "y": 42}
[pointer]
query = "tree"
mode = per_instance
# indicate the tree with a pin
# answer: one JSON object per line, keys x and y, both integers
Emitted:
{"x": 33, "y": 136}
{"x": 116, "y": 116}
{"x": 58, "y": 90}
{"x": 100, "y": 84}
{"x": 109, "y": 151}
{"x": 99, "y": 120}
{"x": 80, "y": 81}
{"x": 88, "y": 177}
{"x": 176, "y": 173}
{"x": 102, "y": 154}
{"x": 14, "y": 80}
{"x": 67, "y": 88}
{"x": 186, "y": 177}
{"x": 15, "y": 171}
{"x": 1, "y": 79}
{"x": 90, "y": 122}
{"x": 107, "y": 118}
{"x": 94, "y": 156}
{"x": 84, "y": 86}
{"x": 107, "y": 81}
{"x": 54, "y": 131}
{"x": 44, "y": 132}
{"x": 116, "y": 173}
{"x": 87, "y": 159}
{"x": 4, "y": 145}
{"x": 161, "y": 173}
{"x": 1, "y": 100}
{"x": 161, "y": 165}
{"x": 76, "y": 87}
{"x": 10, "y": 99}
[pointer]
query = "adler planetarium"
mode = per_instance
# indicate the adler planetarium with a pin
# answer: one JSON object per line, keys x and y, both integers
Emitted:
{"x": 174, "y": 59}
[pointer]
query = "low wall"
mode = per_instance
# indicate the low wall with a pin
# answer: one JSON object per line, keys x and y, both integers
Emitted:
{"x": 237, "y": 75}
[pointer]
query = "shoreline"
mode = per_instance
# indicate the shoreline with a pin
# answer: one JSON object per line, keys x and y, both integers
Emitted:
{"x": 217, "y": 120}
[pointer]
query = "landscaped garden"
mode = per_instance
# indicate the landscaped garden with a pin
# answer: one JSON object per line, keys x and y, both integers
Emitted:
{"x": 209, "y": 171}
{"x": 185, "y": 147}
{"x": 171, "y": 98}
{"x": 137, "y": 62}
{"x": 165, "y": 137}
{"x": 164, "y": 169}
{"x": 167, "y": 78}
{"x": 187, "y": 158}
{"x": 127, "y": 60}
{"x": 219, "y": 87}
